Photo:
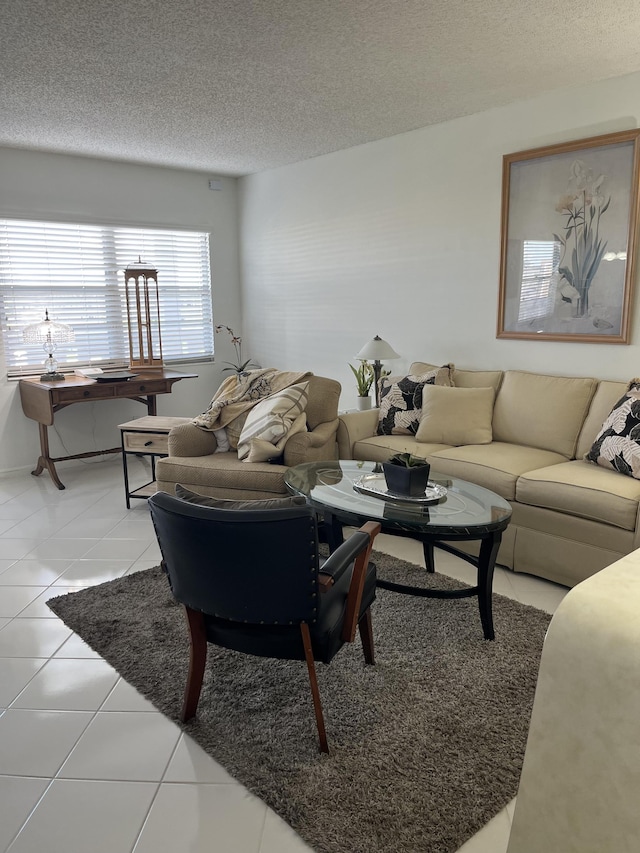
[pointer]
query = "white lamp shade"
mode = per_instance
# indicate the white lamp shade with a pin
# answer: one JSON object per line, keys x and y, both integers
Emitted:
{"x": 47, "y": 331}
{"x": 377, "y": 350}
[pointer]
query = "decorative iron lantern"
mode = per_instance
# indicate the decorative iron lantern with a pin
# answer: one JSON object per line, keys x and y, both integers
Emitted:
{"x": 143, "y": 316}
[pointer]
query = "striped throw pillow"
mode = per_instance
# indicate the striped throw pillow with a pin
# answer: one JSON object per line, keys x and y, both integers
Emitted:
{"x": 271, "y": 419}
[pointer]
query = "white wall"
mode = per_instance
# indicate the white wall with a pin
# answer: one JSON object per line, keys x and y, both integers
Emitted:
{"x": 401, "y": 238}
{"x": 398, "y": 238}
{"x": 75, "y": 189}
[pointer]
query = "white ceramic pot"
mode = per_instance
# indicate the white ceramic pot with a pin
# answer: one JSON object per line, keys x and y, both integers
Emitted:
{"x": 364, "y": 403}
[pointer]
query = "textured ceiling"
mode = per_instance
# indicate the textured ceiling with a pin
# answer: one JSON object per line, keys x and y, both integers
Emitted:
{"x": 238, "y": 86}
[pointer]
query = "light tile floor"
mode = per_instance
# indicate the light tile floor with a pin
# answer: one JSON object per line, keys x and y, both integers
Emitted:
{"x": 86, "y": 763}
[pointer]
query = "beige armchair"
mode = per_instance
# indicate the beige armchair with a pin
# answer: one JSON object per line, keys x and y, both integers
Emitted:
{"x": 193, "y": 463}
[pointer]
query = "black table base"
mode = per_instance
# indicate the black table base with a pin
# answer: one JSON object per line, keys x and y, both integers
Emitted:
{"x": 485, "y": 564}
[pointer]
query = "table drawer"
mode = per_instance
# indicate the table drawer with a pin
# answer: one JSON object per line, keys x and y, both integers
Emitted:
{"x": 142, "y": 386}
{"x": 93, "y": 392}
{"x": 146, "y": 442}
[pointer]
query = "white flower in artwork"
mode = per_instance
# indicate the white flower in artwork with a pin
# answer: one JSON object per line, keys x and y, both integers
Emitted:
{"x": 568, "y": 293}
{"x": 582, "y": 205}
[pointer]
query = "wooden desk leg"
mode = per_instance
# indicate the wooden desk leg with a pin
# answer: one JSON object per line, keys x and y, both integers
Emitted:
{"x": 44, "y": 460}
{"x": 152, "y": 405}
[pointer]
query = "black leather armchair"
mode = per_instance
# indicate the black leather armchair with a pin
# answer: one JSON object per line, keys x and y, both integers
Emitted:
{"x": 253, "y": 581}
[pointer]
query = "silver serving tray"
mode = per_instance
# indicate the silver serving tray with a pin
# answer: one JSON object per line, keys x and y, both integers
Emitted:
{"x": 376, "y": 485}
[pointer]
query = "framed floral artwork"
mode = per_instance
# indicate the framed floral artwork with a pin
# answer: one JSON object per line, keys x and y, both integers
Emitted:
{"x": 568, "y": 240}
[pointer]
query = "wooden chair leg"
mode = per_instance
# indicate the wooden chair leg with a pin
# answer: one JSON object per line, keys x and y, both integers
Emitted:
{"x": 365, "y": 627}
{"x": 315, "y": 693}
{"x": 197, "y": 661}
{"x": 356, "y": 588}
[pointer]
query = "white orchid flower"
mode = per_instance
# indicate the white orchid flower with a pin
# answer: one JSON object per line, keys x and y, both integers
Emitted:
{"x": 568, "y": 291}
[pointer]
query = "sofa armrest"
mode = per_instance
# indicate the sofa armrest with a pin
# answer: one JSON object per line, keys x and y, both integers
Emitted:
{"x": 636, "y": 533}
{"x": 190, "y": 440}
{"x": 353, "y": 427}
{"x": 312, "y": 446}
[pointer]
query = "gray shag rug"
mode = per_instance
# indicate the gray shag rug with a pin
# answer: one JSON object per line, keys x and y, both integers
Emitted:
{"x": 426, "y": 746}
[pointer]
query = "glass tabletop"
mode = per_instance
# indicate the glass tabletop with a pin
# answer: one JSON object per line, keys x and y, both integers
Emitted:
{"x": 463, "y": 508}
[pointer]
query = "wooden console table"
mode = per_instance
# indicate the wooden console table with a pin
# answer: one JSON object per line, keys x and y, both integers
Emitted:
{"x": 41, "y": 400}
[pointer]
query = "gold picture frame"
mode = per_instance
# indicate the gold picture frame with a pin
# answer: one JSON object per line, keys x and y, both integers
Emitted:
{"x": 568, "y": 240}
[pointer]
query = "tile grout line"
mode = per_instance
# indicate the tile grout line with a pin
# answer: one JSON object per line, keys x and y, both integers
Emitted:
{"x": 7, "y": 849}
{"x": 113, "y": 492}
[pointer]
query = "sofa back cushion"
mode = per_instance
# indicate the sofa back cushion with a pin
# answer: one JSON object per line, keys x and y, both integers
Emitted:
{"x": 456, "y": 415}
{"x": 420, "y": 367}
{"x": 542, "y": 411}
{"x": 607, "y": 395}
{"x": 478, "y": 378}
{"x": 465, "y": 378}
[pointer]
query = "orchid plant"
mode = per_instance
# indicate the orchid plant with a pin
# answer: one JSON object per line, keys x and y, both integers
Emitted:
{"x": 582, "y": 205}
{"x": 239, "y": 366}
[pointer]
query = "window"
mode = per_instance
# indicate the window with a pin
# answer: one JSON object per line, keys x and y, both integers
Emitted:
{"x": 76, "y": 273}
{"x": 540, "y": 260}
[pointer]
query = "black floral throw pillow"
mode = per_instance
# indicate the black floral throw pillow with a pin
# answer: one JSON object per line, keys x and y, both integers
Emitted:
{"x": 618, "y": 443}
{"x": 401, "y": 400}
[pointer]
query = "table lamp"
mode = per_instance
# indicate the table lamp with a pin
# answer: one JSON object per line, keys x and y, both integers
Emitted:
{"x": 49, "y": 333}
{"x": 377, "y": 351}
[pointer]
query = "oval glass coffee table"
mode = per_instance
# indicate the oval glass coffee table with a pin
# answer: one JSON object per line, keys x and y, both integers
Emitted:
{"x": 350, "y": 492}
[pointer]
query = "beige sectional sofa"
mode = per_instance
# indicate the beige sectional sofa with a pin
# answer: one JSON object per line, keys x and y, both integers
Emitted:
{"x": 571, "y": 517}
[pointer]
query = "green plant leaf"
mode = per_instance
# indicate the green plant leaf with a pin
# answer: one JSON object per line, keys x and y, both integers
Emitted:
{"x": 407, "y": 460}
{"x": 565, "y": 272}
{"x": 593, "y": 268}
{"x": 364, "y": 377}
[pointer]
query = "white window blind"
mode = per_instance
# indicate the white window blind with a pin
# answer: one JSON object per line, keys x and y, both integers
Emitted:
{"x": 540, "y": 259}
{"x": 75, "y": 271}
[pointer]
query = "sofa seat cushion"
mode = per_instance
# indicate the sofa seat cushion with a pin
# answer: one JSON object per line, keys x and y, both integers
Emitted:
{"x": 495, "y": 466}
{"x": 222, "y": 472}
{"x": 380, "y": 447}
{"x": 581, "y": 489}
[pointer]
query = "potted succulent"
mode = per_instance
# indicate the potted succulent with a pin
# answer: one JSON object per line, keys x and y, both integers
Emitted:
{"x": 364, "y": 380}
{"x": 406, "y": 474}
